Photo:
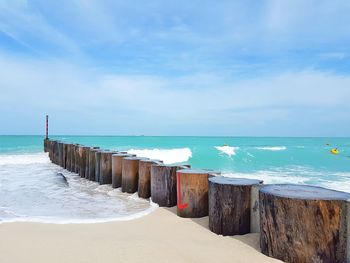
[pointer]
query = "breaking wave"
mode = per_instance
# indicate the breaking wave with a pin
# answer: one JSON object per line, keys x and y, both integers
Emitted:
{"x": 168, "y": 156}
{"x": 229, "y": 150}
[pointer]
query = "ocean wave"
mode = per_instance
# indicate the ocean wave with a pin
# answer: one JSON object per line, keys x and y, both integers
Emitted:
{"x": 304, "y": 177}
{"x": 59, "y": 221}
{"x": 24, "y": 159}
{"x": 229, "y": 150}
{"x": 168, "y": 156}
{"x": 272, "y": 148}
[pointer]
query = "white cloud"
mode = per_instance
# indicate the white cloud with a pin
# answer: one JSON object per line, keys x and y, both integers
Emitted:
{"x": 69, "y": 91}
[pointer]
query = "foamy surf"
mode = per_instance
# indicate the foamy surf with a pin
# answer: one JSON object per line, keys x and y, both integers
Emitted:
{"x": 13, "y": 159}
{"x": 272, "y": 148}
{"x": 229, "y": 150}
{"x": 168, "y": 156}
{"x": 31, "y": 191}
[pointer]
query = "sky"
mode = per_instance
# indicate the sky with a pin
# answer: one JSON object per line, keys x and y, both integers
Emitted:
{"x": 231, "y": 68}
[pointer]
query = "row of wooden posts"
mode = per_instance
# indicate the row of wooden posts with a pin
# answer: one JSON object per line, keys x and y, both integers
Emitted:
{"x": 296, "y": 223}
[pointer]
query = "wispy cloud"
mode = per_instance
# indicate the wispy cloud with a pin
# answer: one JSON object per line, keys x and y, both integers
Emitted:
{"x": 236, "y": 67}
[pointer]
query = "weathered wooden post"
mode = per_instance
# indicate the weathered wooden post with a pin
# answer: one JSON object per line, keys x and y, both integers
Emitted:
{"x": 82, "y": 160}
{"x": 300, "y": 223}
{"x": 130, "y": 174}
{"x": 106, "y": 167}
{"x": 76, "y": 159}
{"x": 73, "y": 158}
{"x": 98, "y": 165}
{"x": 192, "y": 193}
{"x": 163, "y": 184}
{"x": 60, "y": 154}
{"x": 117, "y": 163}
{"x": 56, "y": 152}
{"x": 144, "y": 182}
{"x": 230, "y": 202}
{"x": 65, "y": 148}
{"x": 50, "y": 148}
{"x": 69, "y": 157}
{"x": 91, "y": 164}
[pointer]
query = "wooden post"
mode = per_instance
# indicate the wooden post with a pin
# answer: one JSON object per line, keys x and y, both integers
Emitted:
{"x": 92, "y": 163}
{"x": 106, "y": 167}
{"x": 82, "y": 160}
{"x": 163, "y": 184}
{"x": 76, "y": 159}
{"x": 65, "y": 149}
{"x": 117, "y": 163}
{"x": 130, "y": 174}
{"x": 230, "y": 205}
{"x": 300, "y": 223}
{"x": 192, "y": 197}
{"x": 144, "y": 182}
{"x": 98, "y": 165}
{"x": 69, "y": 157}
{"x": 60, "y": 154}
{"x": 73, "y": 156}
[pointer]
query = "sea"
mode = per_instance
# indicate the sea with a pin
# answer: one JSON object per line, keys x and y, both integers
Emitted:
{"x": 31, "y": 190}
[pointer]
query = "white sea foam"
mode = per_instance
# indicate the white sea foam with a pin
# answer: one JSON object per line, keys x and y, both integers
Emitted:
{"x": 272, "y": 148}
{"x": 168, "y": 156}
{"x": 229, "y": 150}
{"x": 298, "y": 175}
{"x": 24, "y": 159}
{"x": 32, "y": 191}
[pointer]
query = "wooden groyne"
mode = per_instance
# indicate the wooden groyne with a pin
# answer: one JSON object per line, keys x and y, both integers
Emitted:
{"x": 296, "y": 223}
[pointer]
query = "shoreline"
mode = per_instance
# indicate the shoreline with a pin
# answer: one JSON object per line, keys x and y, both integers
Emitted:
{"x": 160, "y": 236}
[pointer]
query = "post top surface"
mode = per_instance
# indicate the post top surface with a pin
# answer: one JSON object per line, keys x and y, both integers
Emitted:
{"x": 134, "y": 158}
{"x": 123, "y": 155}
{"x": 303, "y": 192}
{"x": 151, "y": 161}
{"x": 197, "y": 171}
{"x": 234, "y": 181}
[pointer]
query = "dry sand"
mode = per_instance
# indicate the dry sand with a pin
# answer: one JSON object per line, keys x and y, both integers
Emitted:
{"x": 159, "y": 237}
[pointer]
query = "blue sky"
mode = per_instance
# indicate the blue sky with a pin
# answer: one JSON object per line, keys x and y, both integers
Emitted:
{"x": 262, "y": 68}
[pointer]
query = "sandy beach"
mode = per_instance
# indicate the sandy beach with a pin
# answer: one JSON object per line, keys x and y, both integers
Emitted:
{"x": 158, "y": 237}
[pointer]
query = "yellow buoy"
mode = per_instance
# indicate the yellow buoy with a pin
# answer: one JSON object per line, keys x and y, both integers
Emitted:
{"x": 335, "y": 151}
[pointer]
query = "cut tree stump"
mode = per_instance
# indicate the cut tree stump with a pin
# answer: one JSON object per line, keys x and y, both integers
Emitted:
{"x": 69, "y": 157}
{"x": 230, "y": 202}
{"x": 65, "y": 148}
{"x": 117, "y": 164}
{"x": 92, "y": 163}
{"x": 73, "y": 158}
{"x": 144, "y": 183}
{"x": 98, "y": 165}
{"x": 60, "y": 154}
{"x": 83, "y": 150}
{"x": 192, "y": 193}
{"x": 163, "y": 184}
{"x": 76, "y": 159}
{"x": 106, "y": 167}
{"x": 301, "y": 223}
{"x": 130, "y": 174}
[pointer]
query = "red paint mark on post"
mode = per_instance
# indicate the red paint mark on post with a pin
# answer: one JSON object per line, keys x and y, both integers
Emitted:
{"x": 180, "y": 205}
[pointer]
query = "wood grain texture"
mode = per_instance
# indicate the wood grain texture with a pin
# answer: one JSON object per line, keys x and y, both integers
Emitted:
{"x": 117, "y": 164}
{"x": 194, "y": 192}
{"x": 230, "y": 205}
{"x": 130, "y": 174}
{"x": 144, "y": 182}
{"x": 303, "y": 223}
{"x": 164, "y": 184}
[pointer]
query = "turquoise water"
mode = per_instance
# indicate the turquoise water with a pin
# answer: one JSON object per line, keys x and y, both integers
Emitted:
{"x": 30, "y": 189}
{"x": 308, "y": 159}
{"x": 250, "y": 154}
